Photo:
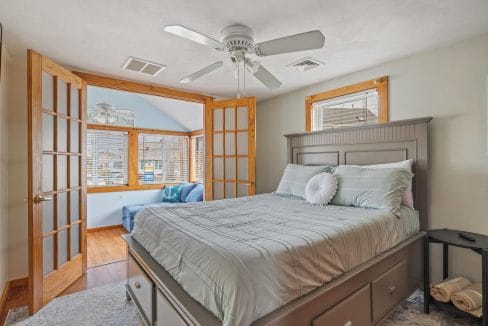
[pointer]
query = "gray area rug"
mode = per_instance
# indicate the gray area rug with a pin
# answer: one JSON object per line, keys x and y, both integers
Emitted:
{"x": 107, "y": 305}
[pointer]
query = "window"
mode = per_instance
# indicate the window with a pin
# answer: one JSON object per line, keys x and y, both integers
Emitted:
{"x": 124, "y": 158}
{"x": 348, "y": 110}
{"x": 197, "y": 158}
{"x": 107, "y": 158}
{"x": 163, "y": 159}
{"x": 358, "y": 104}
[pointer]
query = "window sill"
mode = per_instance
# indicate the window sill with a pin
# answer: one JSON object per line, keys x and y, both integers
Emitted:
{"x": 92, "y": 190}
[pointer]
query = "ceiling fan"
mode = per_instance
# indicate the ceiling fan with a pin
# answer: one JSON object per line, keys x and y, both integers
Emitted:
{"x": 106, "y": 113}
{"x": 237, "y": 41}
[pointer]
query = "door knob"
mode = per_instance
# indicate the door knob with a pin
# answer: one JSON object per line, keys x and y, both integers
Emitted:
{"x": 39, "y": 198}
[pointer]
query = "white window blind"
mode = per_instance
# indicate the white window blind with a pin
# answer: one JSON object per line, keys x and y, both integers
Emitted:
{"x": 348, "y": 110}
{"x": 163, "y": 159}
{"x": 197, "y": 156}
{"x": 107, "y": 158}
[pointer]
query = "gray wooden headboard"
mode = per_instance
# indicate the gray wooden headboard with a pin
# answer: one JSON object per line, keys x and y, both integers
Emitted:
{"x": 383, "y": 143}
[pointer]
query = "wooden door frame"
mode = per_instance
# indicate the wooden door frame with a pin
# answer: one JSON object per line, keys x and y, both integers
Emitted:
{"x": 250, "y": 103}
{"x": 36, "y": 64}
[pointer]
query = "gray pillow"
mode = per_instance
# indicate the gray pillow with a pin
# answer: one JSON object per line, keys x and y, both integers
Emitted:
{"x": 371, "y": 188}
{"x": 295, "y": 178}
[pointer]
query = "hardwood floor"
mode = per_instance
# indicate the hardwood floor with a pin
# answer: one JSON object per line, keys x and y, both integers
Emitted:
{"x": 106, "y": 255}
{"x": 98, "y": 276}
{"x": 105, "y": 246}
{"x": 17, "y": 295}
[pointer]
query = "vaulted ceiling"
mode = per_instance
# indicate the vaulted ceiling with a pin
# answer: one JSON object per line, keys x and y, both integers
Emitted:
{"x": 98, "y": 36}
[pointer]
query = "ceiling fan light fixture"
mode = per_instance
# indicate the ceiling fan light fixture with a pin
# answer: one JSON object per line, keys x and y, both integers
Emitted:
{"x": 237, "y": 41}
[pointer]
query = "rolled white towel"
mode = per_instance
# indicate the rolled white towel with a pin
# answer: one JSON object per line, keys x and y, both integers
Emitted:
{"x": 442, "y": 291}
{"x": 469, "y": 299}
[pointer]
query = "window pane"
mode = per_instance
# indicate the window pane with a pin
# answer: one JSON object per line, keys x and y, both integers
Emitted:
{"x": 163, "y": 159}
{"x": 348, "y": 110}
{"x": 107, "y": 158}
{"x": 198, "y": 159}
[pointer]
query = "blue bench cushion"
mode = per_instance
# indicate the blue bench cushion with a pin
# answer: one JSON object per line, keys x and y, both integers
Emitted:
{"x": 189, "y": 193}
{"x": 130, "y": 211}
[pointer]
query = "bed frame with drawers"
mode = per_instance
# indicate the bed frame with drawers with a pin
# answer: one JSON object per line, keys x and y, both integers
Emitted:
{"x": 364, "y": 295}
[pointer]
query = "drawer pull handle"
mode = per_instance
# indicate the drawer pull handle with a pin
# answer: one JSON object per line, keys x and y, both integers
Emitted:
{"x": 392, "y": 289}
{"x": 137, "y": 285}
{"x": 349, "y": 323}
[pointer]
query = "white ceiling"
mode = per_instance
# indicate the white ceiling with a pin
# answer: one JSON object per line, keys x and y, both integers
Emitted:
{"x": 98, "y": 36}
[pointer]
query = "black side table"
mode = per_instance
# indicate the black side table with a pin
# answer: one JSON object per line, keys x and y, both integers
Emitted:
{"x": 479, "y": 244}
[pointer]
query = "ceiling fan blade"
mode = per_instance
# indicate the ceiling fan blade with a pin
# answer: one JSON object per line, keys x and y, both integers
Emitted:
{"x": 267, "y": 78}
{"x": 293, "y": 43}
{"x": 189, "y": 34}
{"x": 201, "y": 72}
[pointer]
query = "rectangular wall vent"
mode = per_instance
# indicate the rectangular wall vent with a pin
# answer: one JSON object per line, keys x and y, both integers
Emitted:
{"x": 305, "y": 64}
{"x": 143, "y": 66}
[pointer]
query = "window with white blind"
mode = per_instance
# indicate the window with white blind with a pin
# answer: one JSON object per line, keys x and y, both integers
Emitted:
{"x": 163, "y": 158}
{"x": 362, "y": 103}
{"x": 348, "y": 110}
{"x": 107, "y": 158}
{"x": 197, "y": 158}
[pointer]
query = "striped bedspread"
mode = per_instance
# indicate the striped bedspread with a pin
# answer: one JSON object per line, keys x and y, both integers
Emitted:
{"x": 243, "y": 258}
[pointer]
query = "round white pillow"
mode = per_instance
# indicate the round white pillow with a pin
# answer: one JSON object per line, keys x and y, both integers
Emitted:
{"x": 320, "y": 189}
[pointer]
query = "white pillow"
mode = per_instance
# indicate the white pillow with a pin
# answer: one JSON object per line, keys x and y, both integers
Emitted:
{"x": 295, "y": 178}
{"x": 320, "y": 189}
{"x": 407, "y": 197}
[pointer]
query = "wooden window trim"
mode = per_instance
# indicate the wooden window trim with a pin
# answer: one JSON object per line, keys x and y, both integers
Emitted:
{"x": 379, "y": 83}
{"x": 193, "y": 134}
{"x": 141, "y": 88}
{"x": 133, "y": 157}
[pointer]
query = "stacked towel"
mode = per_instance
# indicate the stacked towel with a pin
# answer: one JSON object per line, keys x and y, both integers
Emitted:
{"x": 469, "y": 299}
{"x": 443, "y": 290}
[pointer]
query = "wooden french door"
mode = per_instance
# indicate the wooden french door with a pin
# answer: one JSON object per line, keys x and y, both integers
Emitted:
{"x": 57, "y": 185}
{"x": 230, "y": 131}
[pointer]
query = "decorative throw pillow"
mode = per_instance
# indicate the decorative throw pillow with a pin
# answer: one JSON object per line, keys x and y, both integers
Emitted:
{"x": 295, "y": 178}
{"x": 320, "y": 189}
{"x": 407, "y": 197}
{"x": 171, "y": 194}
{"x": 185, "y": 189}
{"x": 196, "y": 194}
{"x": 371, "y": 188}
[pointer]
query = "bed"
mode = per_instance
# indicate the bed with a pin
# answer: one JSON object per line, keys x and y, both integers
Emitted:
{"x": 270, "y": 260}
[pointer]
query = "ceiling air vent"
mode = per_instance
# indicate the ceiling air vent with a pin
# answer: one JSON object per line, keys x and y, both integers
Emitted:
{"x": 143, "y": 66}
{"x": 305, "y": 64}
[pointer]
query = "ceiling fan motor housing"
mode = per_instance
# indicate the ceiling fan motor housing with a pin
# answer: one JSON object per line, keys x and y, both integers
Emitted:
{"x": 238, "y": 38}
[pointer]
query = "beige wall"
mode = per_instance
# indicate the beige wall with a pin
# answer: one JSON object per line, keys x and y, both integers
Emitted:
{"x": 17, "y": 168}
{"x": 3, "y": 170}
{"x": 13, "y": 169}
{"x": 449, "y": 84}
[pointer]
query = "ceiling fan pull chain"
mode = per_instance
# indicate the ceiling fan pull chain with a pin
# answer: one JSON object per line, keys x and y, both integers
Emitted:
{"x": 244, "y": 76}
{"x": 238, "y": 79}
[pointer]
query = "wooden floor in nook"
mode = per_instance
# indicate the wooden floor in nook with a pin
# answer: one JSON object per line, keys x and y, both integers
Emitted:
{"x": 106, "y": 255}
{"x": 105, "y": 246}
